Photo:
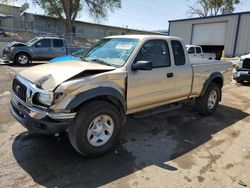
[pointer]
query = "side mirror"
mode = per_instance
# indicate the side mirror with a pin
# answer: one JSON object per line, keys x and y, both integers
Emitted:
{"x": 142, "y": 65}
{"x": 38, "y": 44}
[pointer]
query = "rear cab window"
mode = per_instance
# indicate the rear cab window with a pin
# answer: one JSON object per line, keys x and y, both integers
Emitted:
{"x": 57, "y": 43}
{"x": 155, "y": 51}
{"x": 198, "y": 50}
{"x": 178, "y": 52}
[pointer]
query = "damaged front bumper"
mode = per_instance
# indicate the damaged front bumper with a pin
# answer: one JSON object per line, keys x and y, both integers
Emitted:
{"x": 241, "y": 75}
{"x": 7, "y": 56}
{"x": 39, "y": 121}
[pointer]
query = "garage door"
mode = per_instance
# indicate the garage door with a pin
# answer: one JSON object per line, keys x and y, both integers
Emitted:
{"x": 209, "y": 34}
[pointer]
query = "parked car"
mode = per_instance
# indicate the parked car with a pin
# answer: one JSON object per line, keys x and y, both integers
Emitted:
{"x": 122, "y": 75}
{"x": 242, "y": 71}
{"x": 196, "y": 53}
{"x": 39, "y": 48}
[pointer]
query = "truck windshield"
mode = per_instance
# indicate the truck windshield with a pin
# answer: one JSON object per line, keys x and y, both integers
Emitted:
{"x": 31, "y": 42}
{"x": 112, "y": 51}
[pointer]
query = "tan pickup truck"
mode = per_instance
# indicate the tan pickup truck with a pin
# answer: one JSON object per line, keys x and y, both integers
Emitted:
{"x": 121, "y": 75}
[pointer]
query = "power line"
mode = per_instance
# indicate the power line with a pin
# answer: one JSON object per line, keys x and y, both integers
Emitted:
{"x": 141, "y": 16}
{"x": 143, "y": 7}
{"x": 140, "y": 10}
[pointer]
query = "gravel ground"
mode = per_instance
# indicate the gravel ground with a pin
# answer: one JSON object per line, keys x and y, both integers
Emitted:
{"x": 174, "y": 149}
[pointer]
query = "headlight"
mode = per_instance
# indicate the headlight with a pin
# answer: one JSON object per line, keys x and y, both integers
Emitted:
{"x": 45, "y": 98}
{"x": 12, "y": 48}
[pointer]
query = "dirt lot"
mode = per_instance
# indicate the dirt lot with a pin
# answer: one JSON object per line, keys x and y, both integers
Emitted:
{"x": 176, "y": 149}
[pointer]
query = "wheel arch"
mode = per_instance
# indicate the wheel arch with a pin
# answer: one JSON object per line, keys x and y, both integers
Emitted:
{"x": 215, "y": 77}
{"x": 22, "y": 52}
{"x": 100, "y": 93}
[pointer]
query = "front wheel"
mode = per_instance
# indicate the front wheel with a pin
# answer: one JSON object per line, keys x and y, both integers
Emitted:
{"x": 208, "y": 103}
{"x": 22, "y": 59}
{"x": 96, "y": 129}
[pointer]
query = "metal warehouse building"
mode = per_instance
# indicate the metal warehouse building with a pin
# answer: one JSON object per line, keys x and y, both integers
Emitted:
{"x": 230, "y": 32}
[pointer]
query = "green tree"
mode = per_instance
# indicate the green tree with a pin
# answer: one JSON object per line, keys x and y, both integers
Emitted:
{"x": 68, "y": 10}
{"x": 205, "y": 8}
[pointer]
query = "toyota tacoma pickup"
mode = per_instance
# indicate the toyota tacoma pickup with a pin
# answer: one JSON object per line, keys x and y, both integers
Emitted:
{"x": 39, "y": 48}
{"x": 121, "y": 75}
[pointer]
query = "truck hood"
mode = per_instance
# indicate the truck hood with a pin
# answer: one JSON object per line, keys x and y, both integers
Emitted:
{"x": 14, "y": 44}
{"x": 49, "y": 76}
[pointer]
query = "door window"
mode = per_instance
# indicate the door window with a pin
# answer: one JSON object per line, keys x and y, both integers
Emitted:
{"x": 57, "y": 43}
{"x": 191, "y": 50}
{"x": 43, "y": 43}
{"x": 179, "y": 55}
{"x": 198, "y": 50}
{"x": 157, "y": 52}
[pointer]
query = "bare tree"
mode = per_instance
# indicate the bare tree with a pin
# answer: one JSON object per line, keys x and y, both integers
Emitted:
{"x": 68, "y": 10}
{"x": 204, "y": 8}
{"x": 200, "y": 8}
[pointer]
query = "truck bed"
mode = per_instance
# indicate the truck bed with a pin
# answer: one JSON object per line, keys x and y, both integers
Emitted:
{"x": 203, "y": 69}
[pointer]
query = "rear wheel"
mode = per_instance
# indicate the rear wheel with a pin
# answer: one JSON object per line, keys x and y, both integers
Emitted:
{"x": 208, "y": 103}
{"x": 96, "y": 128}
{"x": 22, "y": 59}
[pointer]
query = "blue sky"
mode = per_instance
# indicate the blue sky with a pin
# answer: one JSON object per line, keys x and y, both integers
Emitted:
{"x": 144, "y": 14}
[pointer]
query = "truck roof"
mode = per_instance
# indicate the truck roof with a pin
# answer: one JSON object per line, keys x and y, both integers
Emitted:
{"x": 45, "y": 37}
{"x": 189, "y": 45}
{"x": 141, "y": 37}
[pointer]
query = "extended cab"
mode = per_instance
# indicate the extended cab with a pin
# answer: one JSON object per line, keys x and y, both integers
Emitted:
{"x": 39, "y": 48}
{"x": 196, "y": 53}
{"x": 121, "y": 75}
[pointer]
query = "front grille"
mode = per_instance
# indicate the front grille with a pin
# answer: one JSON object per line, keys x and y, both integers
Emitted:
{"x": 19, "y": 89}
{"x": 246, "y": 64}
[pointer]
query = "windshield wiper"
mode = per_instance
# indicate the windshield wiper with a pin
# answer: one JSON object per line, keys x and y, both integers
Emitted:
{"x": 101, "y": 62}
{"x": 82, "y": 58}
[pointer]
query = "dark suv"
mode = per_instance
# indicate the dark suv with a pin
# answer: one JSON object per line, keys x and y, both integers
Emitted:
{"x": 39, "y": 48}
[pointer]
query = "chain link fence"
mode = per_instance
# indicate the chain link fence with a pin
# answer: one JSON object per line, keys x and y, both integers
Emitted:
{"x": 22, "y": 35}
{"x": 74, "y": 42}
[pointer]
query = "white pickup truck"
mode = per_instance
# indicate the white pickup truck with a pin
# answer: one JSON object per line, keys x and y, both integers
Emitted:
{"x": 196, "y": 53}
{"x": 121, "y": 75}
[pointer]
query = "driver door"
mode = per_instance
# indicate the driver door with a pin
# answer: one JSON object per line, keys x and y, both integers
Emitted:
{"x": 148, "y": 87}
{"x": 42, "y": 49}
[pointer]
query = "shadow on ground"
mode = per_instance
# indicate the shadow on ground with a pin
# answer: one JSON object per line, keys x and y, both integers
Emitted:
{"x": 53, "y": 162}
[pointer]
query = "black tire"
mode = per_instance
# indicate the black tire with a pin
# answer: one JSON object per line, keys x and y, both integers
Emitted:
{"x": 84, "y": 118}
{"x": 202, "y": 103}
{"x": 240, "y": 81}
{"x": 18, "y": 57}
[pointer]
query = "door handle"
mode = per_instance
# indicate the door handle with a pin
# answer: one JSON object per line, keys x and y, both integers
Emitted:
{"x": 170, "y": 74}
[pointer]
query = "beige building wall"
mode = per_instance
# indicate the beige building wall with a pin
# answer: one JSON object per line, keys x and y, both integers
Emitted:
{"x": 47, "y": 24}
{"x": 243, "y": 44}
{"x": 10, "y": 22}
